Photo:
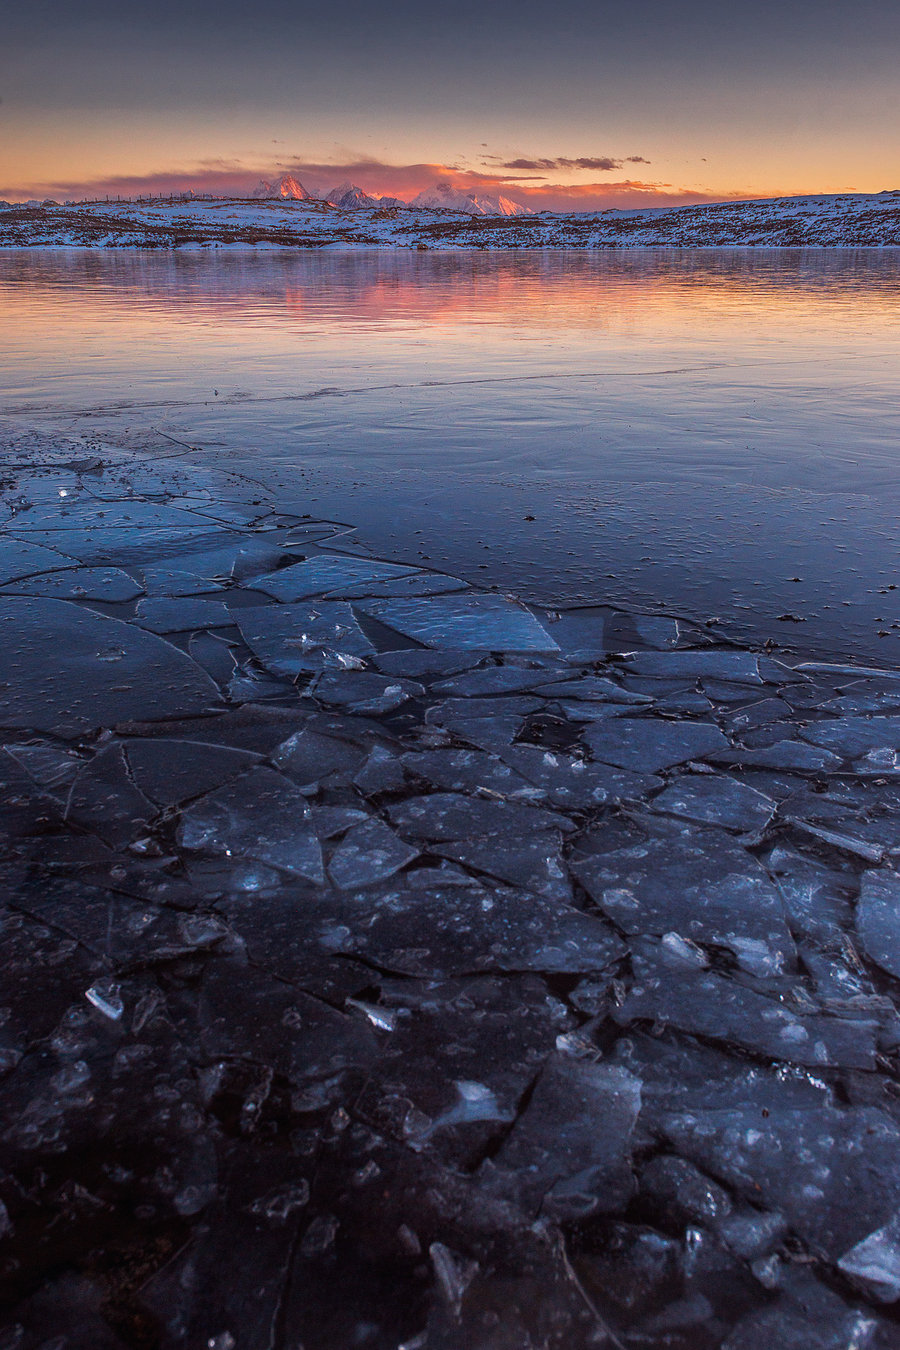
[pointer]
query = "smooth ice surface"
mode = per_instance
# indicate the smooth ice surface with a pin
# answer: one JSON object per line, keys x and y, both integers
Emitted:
{"x": 474, "y": 622}
{"x": 64, "y": 669}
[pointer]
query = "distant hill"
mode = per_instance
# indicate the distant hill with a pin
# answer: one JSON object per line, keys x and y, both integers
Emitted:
{"x": 284, "y": 219}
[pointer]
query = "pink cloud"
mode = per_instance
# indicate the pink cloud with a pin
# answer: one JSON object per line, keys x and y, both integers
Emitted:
{"x": 238, "y": 178}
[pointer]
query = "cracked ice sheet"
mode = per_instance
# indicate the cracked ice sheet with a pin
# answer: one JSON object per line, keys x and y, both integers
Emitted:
{"x": 113, "y": 531}
{"x": 705, "y": 1004}
{"x": 472, "y": 622}
{"x": 19, "y": 559}
{"x": 437, "y": 925}
{"x": 260, "y": 815}
{"x": 504, "y": 839}
{"x": 573, "y": 784}
{"x": 647, "y": 745}
{"x": 698, "y": 883}
{"x": 292, "y": 639}
{"x": 67, "y": 670}
{"x": 79, "y": 583}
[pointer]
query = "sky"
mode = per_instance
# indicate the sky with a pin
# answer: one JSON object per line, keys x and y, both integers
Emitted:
{"x": 574, "y": 105}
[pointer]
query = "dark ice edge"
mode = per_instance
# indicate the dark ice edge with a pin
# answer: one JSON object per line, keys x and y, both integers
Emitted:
{"x": 362, "y": 991}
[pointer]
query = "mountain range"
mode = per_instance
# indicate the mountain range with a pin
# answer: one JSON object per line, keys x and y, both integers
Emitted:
{"x": 443, "y": 196}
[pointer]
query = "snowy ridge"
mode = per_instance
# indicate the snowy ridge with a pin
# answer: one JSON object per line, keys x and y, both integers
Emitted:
{"x": 445, "y": 197}
{"x": 286, "y": 189}
{"x": 284, "y": 219}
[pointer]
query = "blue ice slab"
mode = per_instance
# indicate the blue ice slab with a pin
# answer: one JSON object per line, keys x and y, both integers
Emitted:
{"x": 470, "y": 622}
{"x": 327, "y": 574}
{"x": 291, "y": 639}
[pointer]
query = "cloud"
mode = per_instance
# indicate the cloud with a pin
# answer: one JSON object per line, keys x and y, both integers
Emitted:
{"x": 598, "y": 164}
{"x": 238, "y": 177}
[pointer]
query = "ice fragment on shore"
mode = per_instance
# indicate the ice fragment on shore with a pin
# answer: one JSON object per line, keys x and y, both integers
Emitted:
{"x": 737, "y": 667}
{"x": 785, "y": 755}
{"x": 172, "y": 771}
{"x": 260, "y": 815}
{"x": 874, "y": 1263}
{"x": 852, "y": 737}
{"x": 448, "y": 815}
{"x": 473, "y": 622}
{"x": 714, "y": 800}
{"x": 291, "y": 639}
{"x": 468, "y": 771}
{"x": 490, "y": 680}
{"x": 575, "y": 784}
{"x": 364, "y": 691}
{"x": 19, "y": 560}
{"x": 327, "y": 573}
{"x": 181, "y": 615}
{"x": 648, "y": 746}
{"x": 591, "y": 688}
{"x": 707, "y": 1004}
{"x": 833, "y": 1173}
{"x": 310, "y": 757}
{"x": 434, "y": 928}
{"x": 567, "y": 1155}
{"x": 102, "y": 798}
{"x": 106, "y": 997}
{"x": 862, "y": 848}
{"x": 878, "y": 919}
{"x": 368, "y": 853}
{"x": 694, "y": 882}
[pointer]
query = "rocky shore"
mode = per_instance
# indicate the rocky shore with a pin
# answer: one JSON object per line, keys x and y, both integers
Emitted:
{"x": 389, "y": 964}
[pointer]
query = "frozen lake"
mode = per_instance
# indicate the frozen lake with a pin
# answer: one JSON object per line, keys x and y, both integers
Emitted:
{"x": 711, "y": 432}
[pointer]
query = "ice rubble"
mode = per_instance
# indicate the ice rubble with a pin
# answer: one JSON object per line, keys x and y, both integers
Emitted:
{"x": 404, "y": 968}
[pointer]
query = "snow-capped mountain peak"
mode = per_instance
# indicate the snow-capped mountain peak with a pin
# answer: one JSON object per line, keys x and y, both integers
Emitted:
{"x": 349, "y": 195}
{"x": 286, "y": 189}
{"x": 445, "y": 197}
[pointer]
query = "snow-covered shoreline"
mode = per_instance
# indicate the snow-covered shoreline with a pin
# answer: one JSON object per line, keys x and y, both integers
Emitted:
{"x": 846, "y": 221}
